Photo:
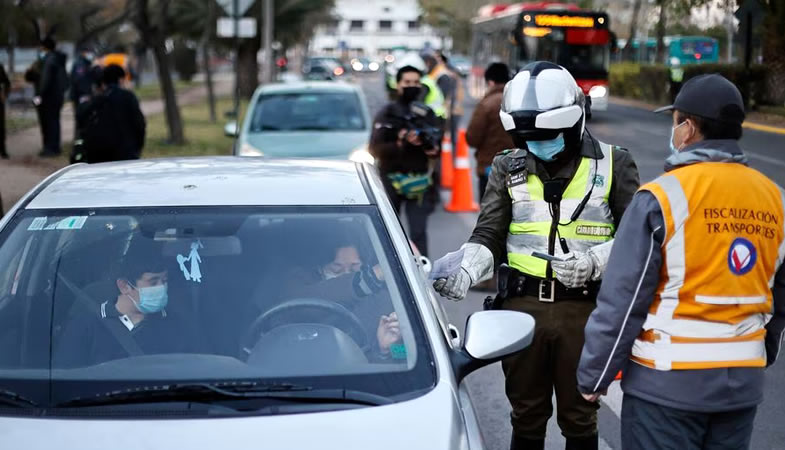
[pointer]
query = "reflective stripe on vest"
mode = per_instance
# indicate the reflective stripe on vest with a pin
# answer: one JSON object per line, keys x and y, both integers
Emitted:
{"x": 724, "y": 241}
{"x": 435, "y": 98}
{"x": 531, "y": 217}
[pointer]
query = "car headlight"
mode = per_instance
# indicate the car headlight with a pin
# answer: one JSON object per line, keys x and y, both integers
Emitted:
{"x": 374, "y": 66}
{"x": 362, "y": 155}
{"x": 598, "y": 91}
{"x": 357, "y": 66}
{"x": 247, "y": 149}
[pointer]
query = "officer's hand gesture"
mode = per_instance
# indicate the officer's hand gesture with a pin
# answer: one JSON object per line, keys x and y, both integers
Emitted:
{"x": 455, "y": 287}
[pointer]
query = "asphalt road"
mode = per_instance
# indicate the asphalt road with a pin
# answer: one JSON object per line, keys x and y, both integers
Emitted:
{"x": 646, "y": 136}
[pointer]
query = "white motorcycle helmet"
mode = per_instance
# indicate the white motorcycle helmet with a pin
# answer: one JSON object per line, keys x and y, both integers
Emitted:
{"x": 541, "y": 102}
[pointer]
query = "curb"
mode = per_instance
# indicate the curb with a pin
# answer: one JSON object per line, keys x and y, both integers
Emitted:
{"x": 647, "y": 106}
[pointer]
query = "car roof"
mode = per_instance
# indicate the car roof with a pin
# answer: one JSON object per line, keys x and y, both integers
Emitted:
{"x": 305, "y": 86}
{"x": 205, "y": 181}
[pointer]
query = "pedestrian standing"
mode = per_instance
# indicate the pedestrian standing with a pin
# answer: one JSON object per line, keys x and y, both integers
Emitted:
{"x": 52, "y": 84}
{"x": 486, "y": 132}
{"x": 404, "y": 151}
{"x": 113, "y": 125}
{"x": 693, "y": 306}
{"x": 81, "y": 88}
{"x": 5, "y": 90}
{"x": 562, "y": 192}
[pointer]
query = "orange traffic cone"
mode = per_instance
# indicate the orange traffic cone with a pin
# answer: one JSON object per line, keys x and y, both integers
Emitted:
{"x": 447, "y": 169}
{"x": 462, "y": 197}
{"x": 618, "y": 376}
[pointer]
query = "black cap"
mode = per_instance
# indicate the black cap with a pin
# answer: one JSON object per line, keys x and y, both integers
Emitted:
{"x": 709, "y": 96}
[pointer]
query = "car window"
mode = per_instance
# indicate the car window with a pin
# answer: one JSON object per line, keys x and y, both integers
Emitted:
{"x": 115, "y": 295}
{"x": 307, "y": 112}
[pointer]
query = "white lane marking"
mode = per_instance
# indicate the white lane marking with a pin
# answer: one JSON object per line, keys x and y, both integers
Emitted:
{"x": 767, "y": 159}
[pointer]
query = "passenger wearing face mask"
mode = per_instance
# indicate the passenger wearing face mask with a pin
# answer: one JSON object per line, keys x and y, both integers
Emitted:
{"x": 559, "y": 192}
{"x": 693, "y": 306}
{"x": 404, "y": 155}
{"x": 138, "y": 310}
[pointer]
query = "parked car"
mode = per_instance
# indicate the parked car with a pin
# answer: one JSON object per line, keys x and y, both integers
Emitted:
{"x": 365, "y": 65}
{"x": 305, "y": 120}
{"x": 263, "y": 340}
{"x": 325, "y": 68}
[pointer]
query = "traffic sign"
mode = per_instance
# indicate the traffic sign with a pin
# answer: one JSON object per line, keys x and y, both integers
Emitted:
{"x": 242, "y": 6}
{"x": 246, "y": 27}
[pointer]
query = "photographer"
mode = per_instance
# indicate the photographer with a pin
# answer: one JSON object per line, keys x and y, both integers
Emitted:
{"x": 405, "y": 137}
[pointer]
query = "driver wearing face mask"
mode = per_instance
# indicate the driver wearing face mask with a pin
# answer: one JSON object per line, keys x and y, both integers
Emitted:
{"x": 137, "y": 313}
{"x": 562, "y": 193}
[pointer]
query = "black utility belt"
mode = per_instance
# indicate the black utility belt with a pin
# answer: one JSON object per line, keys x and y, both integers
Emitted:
{"x": 549, "y": 291}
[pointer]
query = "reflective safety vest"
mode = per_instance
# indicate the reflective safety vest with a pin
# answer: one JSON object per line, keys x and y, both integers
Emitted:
{"x": 531, "y": 217}
{"x": 723, "y": 242}
{"x": 434, "y": 99}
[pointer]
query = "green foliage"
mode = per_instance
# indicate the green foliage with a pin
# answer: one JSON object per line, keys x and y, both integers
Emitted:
{"x": 651, "y": 82}
{"x": 184, "y": 59}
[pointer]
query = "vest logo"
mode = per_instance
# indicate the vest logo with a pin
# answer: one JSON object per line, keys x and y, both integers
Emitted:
{"x": 742, "y": 256}
{"x": 599, "y": 180}
{"x": 588, "y": 230}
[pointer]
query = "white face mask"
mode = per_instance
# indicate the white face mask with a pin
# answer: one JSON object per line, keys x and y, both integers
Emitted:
{"x": 675, "y": 149}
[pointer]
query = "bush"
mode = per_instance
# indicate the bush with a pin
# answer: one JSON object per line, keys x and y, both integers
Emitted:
{"x": 651, "y": 83}
{"x": 184, "y": 61}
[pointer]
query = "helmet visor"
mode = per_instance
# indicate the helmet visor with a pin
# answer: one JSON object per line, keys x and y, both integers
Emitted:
{"x": 541, "y": 93}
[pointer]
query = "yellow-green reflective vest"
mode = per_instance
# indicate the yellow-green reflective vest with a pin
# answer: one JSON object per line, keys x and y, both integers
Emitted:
{"x": 435, "y": 98}
{"x": 531, "y": 217}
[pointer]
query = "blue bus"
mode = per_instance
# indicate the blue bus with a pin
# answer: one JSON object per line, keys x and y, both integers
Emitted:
{"x": 682, "y": 50}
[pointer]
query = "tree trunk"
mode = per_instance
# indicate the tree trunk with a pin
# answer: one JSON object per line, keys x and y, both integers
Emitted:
{"x": 774, "y": 53}
{"x": 628, "y": 48}
{"x": 208, "y": 71}
{"x": 248, "y": 67}
{"x": 661, "y": 25}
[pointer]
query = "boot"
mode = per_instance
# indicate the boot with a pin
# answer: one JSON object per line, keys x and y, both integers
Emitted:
{"x": 518, "y": 443}
{"x": 583, "y": 443}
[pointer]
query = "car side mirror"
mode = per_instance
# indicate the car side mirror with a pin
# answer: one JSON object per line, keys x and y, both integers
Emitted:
{"x": 491, "y": 336}
{"x": 231, "y": 129}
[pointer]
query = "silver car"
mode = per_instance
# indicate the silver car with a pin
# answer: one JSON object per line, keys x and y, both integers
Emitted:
{"x": 224, "y": 302}
{"x": 310, "y": 119}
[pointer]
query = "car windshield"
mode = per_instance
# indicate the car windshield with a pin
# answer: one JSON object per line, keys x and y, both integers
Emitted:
{"x": 325, "y": 111}
{"x": 109, "y": 300}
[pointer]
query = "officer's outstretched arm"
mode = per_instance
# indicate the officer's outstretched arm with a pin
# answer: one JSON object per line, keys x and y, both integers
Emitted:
{"x": 476, "y": 266}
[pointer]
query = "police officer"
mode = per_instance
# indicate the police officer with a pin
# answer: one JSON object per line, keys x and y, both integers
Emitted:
{"x": 560, "y": 192}
{"x": 689, "y": 298}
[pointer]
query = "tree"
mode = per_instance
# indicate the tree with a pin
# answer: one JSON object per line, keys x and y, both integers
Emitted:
{"x": 153, "y": 28}
{"x": 636, "y": 10}
{"x": 774, "y": 50}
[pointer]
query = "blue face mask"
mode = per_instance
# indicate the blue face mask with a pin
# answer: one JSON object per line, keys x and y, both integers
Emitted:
{"x": 152, "y": 299}
{"x": 546, "y": 150}
{"x": 674, "y": 150}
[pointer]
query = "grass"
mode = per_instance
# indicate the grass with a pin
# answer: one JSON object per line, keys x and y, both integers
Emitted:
{"x": 203, "y": 138}
{"x": 14, "y": 124}
{"x": 152, "y": 91}
{"x": 776, "y": 110}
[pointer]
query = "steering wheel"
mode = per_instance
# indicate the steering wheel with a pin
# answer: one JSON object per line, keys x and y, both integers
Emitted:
{"x": 305, "y": 310}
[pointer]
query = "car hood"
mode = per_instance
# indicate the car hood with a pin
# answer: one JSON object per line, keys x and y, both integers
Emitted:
{"x": 432, "y": 422}
{"x": 309, "y": 144}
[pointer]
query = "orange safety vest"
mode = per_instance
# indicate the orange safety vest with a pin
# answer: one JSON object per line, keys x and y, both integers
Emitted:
{"x": 724, "y": 241}
{"x": 119, "y": 59}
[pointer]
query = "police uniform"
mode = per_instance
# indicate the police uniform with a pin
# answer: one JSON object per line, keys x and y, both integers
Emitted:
{"x": 693, "y": 308}
{"x": 515, "y": 220}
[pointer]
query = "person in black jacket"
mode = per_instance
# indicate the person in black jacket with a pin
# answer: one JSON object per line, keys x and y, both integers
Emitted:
{"x": 112, "y": 123}
{"x": 50, "y": 95}
{"x": 403, "y": 153}
{"x": 5, "y": 89}
{"x": 81, "y": 87}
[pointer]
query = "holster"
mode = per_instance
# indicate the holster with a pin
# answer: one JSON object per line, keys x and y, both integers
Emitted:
{"x": 503, "y": 280}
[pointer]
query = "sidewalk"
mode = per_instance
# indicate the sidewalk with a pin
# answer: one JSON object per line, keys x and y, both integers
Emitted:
{"x": 25, "y": 169}
{"x": 770, "y": 123}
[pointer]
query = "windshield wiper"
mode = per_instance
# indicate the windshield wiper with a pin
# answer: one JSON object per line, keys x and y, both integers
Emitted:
{"x": 9, "y": 398}
{"x": 206, "y": 392}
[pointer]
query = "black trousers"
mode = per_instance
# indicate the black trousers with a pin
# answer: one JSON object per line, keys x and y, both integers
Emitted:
{"x": 649, "y": 426}
{"x": 417, "y": 212}
{"x": 2, "y": 129}
{"x": 49, "y": 115}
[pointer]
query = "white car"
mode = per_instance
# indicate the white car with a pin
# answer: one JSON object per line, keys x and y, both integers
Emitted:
{"x": 225, "y": 302}
{"x": 310, "y": 119}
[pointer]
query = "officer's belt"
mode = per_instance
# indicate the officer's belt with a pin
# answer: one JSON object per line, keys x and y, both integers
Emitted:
{"x": 548, "y": 291}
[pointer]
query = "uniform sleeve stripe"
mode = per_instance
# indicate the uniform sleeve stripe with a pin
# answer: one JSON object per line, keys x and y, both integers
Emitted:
{"x": 629, "y": 310}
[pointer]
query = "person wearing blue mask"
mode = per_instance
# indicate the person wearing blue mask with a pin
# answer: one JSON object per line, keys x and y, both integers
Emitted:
{"x": 548, "y": 218}
{"x": 133, "y": 322}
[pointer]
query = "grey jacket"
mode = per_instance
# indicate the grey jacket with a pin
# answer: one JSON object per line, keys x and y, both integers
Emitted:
{"x": 496, "y": 213}
{"x": 627, "y": 292}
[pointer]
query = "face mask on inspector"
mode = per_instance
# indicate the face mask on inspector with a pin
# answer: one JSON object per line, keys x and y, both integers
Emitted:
{"x": 674, "y": 149}
{"x": 152, "y": 299}
{"x": 546, "y": 150}
{"x": 410, "y": 93}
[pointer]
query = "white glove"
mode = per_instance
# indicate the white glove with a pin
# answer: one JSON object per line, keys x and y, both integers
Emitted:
{"x": 578, "y": 268}
{"x": 476, "y": 266}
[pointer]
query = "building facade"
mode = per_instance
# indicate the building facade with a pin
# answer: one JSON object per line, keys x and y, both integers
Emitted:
{"x": 372, "y": 28}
